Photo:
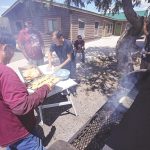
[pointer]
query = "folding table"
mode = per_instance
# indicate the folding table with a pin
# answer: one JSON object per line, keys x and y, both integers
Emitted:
{"x": 58, "y": 88}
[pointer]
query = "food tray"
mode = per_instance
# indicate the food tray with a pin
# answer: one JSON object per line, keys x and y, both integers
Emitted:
{"x": 45, "y": 79}
{"x": 36, "y": 73}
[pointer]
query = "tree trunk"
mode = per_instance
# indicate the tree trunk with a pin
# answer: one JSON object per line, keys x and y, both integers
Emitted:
{"x": 127, "y": 42}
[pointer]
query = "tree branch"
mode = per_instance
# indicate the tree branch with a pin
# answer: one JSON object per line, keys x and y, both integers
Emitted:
{"x": 131, "y": 15}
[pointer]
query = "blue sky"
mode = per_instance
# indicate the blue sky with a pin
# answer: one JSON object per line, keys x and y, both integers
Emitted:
{"x": 5, "y": 4}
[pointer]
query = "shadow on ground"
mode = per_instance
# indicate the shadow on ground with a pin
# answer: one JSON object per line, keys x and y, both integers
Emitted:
{"x": 50, "y": 115}
{"x": 100, "y": 71}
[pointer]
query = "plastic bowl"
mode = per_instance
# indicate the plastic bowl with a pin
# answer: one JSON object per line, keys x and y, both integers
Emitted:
{"x": 63, "y": 74}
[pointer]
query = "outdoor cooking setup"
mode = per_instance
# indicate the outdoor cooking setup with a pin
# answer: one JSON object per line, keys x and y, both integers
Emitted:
{"x": 34, "y": 77}
{"x": 123, "y": 122}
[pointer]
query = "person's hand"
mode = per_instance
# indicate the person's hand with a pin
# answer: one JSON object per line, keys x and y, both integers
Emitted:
{"x": 57, "y": 68}
{"x": 50, "y": 87}
{"x": 50, "y": 67}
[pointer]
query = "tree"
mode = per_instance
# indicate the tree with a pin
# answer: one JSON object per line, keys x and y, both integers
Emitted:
{"x": 127, "y": 41}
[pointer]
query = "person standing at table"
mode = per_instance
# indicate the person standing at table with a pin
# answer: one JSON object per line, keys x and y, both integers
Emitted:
{"x": 79, "y": 47}
{"x": 31, "y": 44}
{"x": 17, "y": 120}
{"x": 64, "y": 50}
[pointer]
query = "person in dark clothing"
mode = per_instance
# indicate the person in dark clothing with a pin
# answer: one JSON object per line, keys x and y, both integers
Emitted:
{"x": 17, "y": 120}
{"x": 79, "y": 47}
{"x": 64, "y": 51}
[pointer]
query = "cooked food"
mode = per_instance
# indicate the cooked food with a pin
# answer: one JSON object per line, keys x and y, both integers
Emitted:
{"x": 46, "y": 79}
{"x": 31, "y": 73}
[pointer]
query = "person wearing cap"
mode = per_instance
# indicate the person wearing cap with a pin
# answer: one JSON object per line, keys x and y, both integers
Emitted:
{"x": 79, "y": 47}
{"x": 17, "y": 120}
{"x": 31, "y": 44}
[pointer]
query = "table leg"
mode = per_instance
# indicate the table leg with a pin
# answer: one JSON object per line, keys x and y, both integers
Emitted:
{"x": 70, "y": 99}
{"x": 41, "y": 115}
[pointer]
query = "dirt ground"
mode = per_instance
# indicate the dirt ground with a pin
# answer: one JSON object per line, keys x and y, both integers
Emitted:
{"x": 97, "y": 79}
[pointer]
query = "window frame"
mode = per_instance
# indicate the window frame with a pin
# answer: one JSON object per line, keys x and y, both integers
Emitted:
{"x": 58, "y": 23}
{"x": 96, "y": 33}
{"x": 82, "y": 30}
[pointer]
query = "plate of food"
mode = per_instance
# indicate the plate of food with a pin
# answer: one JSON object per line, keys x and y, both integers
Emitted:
{"x": 29, "y": 73}
{"x": 45, "y": 79}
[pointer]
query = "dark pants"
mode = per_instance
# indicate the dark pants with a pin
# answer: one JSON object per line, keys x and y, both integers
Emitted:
{"x": 82, "y": 55}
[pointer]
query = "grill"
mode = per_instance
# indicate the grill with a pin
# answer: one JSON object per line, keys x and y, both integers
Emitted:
{"x": 93, "y": 135}
{"x": 96, "y": 131}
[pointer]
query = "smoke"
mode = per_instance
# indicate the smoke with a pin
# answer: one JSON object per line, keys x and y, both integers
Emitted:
{"x": 124, "y": 96}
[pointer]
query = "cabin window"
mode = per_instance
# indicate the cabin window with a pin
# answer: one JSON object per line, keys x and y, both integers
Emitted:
{"x": 110, "y": 28}
{"x": 19, "y": 25}
{"x": 96, "y": 28}
{"x": 53, "y": 25}
{"x": 81, "y": 29}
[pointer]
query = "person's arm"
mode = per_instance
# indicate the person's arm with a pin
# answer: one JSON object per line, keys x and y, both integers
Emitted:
{"x": 69, "y": 55}
{"x": 41, "y": 42}
{"x": 50, "y": 54}
{"x": 50, "y": 58}
{"x": 16, "y": 96}
{"x": 20, "y": 40}
{"x": 25, "y": 54}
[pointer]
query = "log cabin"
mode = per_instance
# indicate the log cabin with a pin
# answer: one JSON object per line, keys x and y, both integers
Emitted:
{"x": 48, "y": 17}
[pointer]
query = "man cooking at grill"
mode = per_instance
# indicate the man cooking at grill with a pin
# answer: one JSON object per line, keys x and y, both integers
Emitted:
{"x": 17, "y": 120}
{"x": 64, "y": 50}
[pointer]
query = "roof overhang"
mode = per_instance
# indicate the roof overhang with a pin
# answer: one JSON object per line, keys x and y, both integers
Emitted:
{"x": 12, "y": 7}
{"x": 57, "y": 5}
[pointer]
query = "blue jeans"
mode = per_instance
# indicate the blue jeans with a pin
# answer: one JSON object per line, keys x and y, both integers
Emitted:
{"x": 31, "y": 142}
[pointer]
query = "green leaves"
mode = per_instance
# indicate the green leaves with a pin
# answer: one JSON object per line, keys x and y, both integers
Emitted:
{"x": 78, "y": 3}
{"x": 106, "y": 6}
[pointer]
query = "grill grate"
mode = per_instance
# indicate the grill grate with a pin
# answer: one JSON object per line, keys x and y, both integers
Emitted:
{"x": 94, "y": 134}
